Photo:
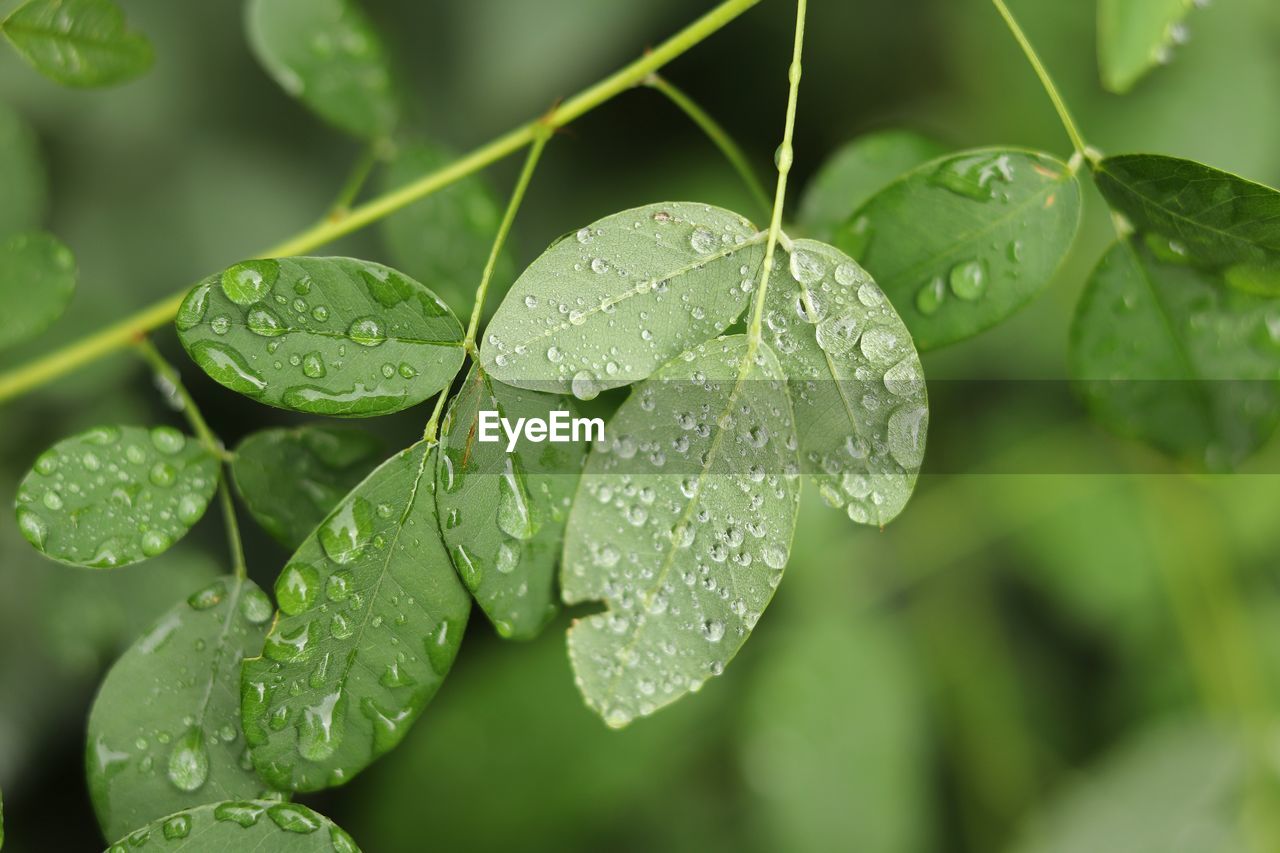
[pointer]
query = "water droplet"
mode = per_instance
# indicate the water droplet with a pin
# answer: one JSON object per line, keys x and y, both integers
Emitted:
{"x": 313, "y": 365}
{"x": 293, "y": 818}
{"x": 713, "y": 631}
{"x": 702, "y": 240}
{"x": 250, "y": 281}
{"x": 366, "y": 331}
{"x": 155, "y": 542}
{"x": 838, "y": 334}
{"x": 189, "y": 761}
{"x": 968, "y": 280}
{"x": 584, "y": 386}
{"x": 514, "y": 517}
{"x": 255, "y": 607}
{"x": 228, "y": 367}
{"x": 806, "y": 267}
{"x": 346, "y": 532}
{"x": 321, "y": 727}
{"x": 163, "y": 474}
{"x": 176, "y": 827}
{"x": 297, "y": 588}
{"x": 191, "y": 508}
{"x": 974, "y": 176}
{"x": 34, "y": 528}
{"x": 244, "y": 814}
{"x": 168, "y": 440}
{"x": 263, "y": 321}
{"x": 599, "y": 266}
{"x": 193, "y": 308}
{"x": 929, "y": 298}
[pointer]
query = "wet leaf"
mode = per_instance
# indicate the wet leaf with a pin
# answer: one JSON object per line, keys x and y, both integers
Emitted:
{"x": 164, "y": 732}
{"x": 1166, "y": 353}
{"x": 235, "y": 826}
{"x": 290, "y": 479}
{"x": 372, "y": 615}
{"x": 502, "y": 514}
{"x": 682, "y": 527}
{"x": 25, "y": 196}
{"x": 327, "y": 54}
{"x": 610, "y": 303}
{"x": 961, "y": 243}
{"x": 856, "y": 384}
{"x": 115, "y": 495}
{"x": 1134, "y": 36}
{"x": 81, "y": 43}
{"x": 37, "y": 279}
{"x": 326, "y": 336}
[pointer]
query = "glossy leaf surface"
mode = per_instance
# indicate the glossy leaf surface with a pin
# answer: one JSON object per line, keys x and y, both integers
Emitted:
{"x": 1135, "y": 36}
{"x": 235, "y": 826}
{"x": 37, "y": 280}
{"x": 80, "y": 43}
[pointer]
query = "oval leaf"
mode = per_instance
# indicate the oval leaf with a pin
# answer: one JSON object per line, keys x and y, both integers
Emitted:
{"x": 37, "y": 279}
{"x": 962, "y": 242}
{"x": 115, "y": 495}
{"x": 164, "y": 732}
{"x": 327, "y": 54}
{"x": 327, "y": 336}
{"x": 80, "y": 43}
{"x": 372, "y": 615}
{"x": 608, "y": 305}
{"x": 22, "y": 204}
{"x": 855, "y": 379}
{"x": 1135, "y": 36}
{"x": 235, "y": 826}
{"x": 1166, "y": 353}
{"x": 508, "y": 566}
{"x": 290, "y": 479}
{"x": 682, "y": 526}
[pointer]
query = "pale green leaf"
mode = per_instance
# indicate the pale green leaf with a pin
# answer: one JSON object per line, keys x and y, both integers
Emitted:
{"x": 610, "y": 303}
{"x": 327, "y": 54}
{"x": 1135, "y": 36}
{"x": 682, "y": 527}
{"x": 236, "y": 826}
{"x": 508, "y": 566}
{"x": 37, "y": 279}
{"x": 962, "y": 242}
{"x": 290, "y": 479}
{"x": 372, "y": 615}
{"x": 164, "y": 732}
{"x": 115, "y": 495}
{"x": 25, "y": 195}
{"x": 80, "y": 43}
{"x": 326, "y": 336}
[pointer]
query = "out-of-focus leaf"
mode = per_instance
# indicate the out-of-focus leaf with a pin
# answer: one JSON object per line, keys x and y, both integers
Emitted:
{"x": 1135, "y": 36}
{"x": 37, "y": 279}
{"x": 236, "y": 826}
{"x": 25, "y": 195}
{"x": 80, "y": 43}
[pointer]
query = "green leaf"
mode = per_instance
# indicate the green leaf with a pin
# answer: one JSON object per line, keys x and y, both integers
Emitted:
{"x": 682, "y": 527}
{"x": 236, "y": 826}
{"x": 855, "y": 379}
{"x": 25, "y": 196}
{"x": 326, "y": 336}
{"x": 164, "y": 732}
{"x": 37, "y": 279}
{"x": 444, "y": 239}
{"x": 856, "y": 172}
{"x": 290, "y": 479}
{"x": 81, "y": 43}
{"x": 962, "y": 242}
{"x": 1135, "y": 36}
{"x": 372, "y": 615}
{"x": 609, "y": 304}
{"x": 1216, "y": 218}
{"x": 1167, "y": 354}
{"x": 327, "y": 54}
{"x": 508, "y": 566}
{"x": 115, "y": 495}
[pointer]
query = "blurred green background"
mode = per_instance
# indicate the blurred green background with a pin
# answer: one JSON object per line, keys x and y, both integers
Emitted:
{"x": 1031, "y": 660}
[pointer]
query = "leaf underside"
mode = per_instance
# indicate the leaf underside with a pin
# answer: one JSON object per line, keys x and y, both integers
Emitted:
{"x": 81, "y": 43}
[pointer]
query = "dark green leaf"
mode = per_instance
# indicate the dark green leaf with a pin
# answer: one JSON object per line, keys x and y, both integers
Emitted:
{"x": 858, "y": 171}
{"x": 290, "y": 479}
{"x": 78, "y": 43}
{"x": 164, "y": 732}
{"x": 962, "y": 242}
{"x": 1135, "y": 36}
{"x": 327, "y": 336}
{"x": 856, "y": 383}
{"x": 22, "y": 203}
{"x": 37, "y": 279}
{"x": 682, "y": 527}
{"x": 327, "y": 54}
{"x": 509, "y": 566}
{"x": 372, "y": 615}
{"x": 115, "y": 495}
{"x": 237, "y": 826}
{"x": 1166, "y": 353}
{"x": 609, "y": 304}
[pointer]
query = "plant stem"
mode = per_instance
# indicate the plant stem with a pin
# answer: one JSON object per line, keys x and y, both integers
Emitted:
{"x": 784, "y": 157}
{"x": 120, "y": 335}
{"x": 1077, "y": 140}
{"x": 169, "y": 374}
{"x": 369, "y": 157}
{"x": 717, "y": 134}
{"x": 513, "y": 206}
{"x": 432, "y": 429}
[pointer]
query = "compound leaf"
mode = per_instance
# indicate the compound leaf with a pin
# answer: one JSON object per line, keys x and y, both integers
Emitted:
{"x": 1135, "y": 36}
{"x": 290, "y": 479}
{"x": 855, "y": 379}
{"x": 372, "y": 615}
{"x": 327, "y": 54}
{"x": 962, "y": 242}
{"x": 115, "y": 495}
{"x": 682, "y": 527}
{"x": 326, "y": 336}
{"x": 235, "y": 826}
{"x": 22, "y": 204}
{"x": 608, "y": 305}
{"x": 81, "y": 43}
{"x": 509, "y": 566}
{"x": 164, "y": 732}
{"x": 37, "y": 279}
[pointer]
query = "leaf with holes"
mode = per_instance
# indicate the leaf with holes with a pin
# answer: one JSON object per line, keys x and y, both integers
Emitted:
{"x": 26, "y": 191}
{"x": 37, "y": 280}
{"x": 235, "y": 826}
{"x": 1134, "y": 36}
{"x": 81, "y": 43}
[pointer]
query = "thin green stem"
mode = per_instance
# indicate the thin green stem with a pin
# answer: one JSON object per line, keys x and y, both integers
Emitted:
{"x": 121, "y": 334}
{"x": 784, "y": 157}
{"x": 369, "y": 157}
{"x": 432, "y": 428}
{"x": 717, "y": 134}
{"x": 513, "y": 207}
